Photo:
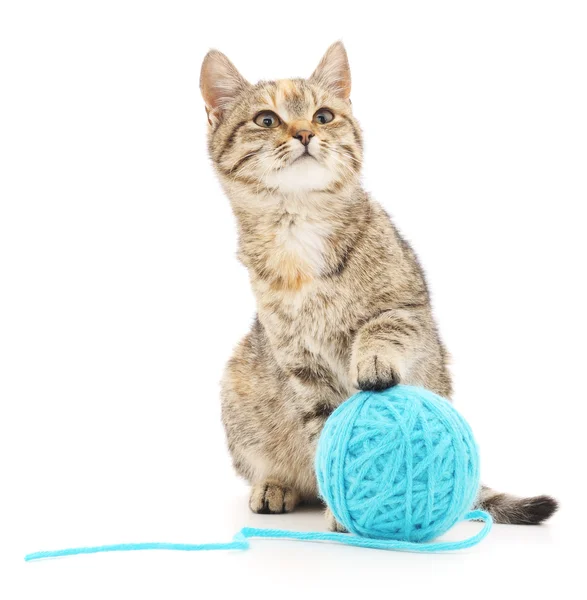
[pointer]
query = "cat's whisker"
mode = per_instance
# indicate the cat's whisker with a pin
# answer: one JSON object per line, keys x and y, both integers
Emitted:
{"x": 340, "y": 163}
{"x": 257, "y": 152}
{"x": 265, "y": 173}
{"x": 346, "y": 154}
{"x": 249, "y": 165}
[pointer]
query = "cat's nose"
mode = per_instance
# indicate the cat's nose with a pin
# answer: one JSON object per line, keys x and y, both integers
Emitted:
{"x": 304, "y": 135}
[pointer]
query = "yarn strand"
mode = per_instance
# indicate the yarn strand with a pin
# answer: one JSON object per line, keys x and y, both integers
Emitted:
{"x": 241, "y": 541}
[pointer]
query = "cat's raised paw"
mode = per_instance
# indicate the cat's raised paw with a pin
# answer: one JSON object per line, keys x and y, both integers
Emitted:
{"x": 376, "y": 372}
{"x": 273, "y": 498}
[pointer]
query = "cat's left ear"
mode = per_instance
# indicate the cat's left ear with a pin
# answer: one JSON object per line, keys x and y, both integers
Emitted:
{"x": 334, "y": 72}
{"x": 220, "y": 84}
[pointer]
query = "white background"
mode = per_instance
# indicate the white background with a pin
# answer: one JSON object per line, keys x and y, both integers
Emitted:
{"x": 121, "y": 297}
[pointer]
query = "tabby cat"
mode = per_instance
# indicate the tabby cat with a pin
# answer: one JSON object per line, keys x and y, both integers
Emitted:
{"x": 342, "y": 303}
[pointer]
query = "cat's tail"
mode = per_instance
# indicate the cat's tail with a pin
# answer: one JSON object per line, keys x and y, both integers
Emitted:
{"x": 506, "y": 508}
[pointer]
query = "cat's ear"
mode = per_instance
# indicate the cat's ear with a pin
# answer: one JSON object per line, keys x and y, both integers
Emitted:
{"x": 220, "y": 84}
{"x": 334, "y": 72}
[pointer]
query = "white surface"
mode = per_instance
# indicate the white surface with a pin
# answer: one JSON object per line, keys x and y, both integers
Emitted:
{"x": 121, "y": 296}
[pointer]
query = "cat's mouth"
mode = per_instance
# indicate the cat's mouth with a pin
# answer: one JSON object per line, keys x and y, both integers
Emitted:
{"x": 304, "y": 156}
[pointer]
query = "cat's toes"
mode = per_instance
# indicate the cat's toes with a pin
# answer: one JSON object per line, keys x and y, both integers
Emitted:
{"x": 332, "y": 523}
{"x": 376, "y": 372}
{"x": 272, "y": 498}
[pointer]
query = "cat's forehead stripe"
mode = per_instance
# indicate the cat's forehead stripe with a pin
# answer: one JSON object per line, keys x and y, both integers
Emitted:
{"x": 287, "y": 88}
{"x": 292, "y": 99}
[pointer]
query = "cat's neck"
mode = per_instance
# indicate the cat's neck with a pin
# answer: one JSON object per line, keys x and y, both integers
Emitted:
{"x": 288, "y": 241}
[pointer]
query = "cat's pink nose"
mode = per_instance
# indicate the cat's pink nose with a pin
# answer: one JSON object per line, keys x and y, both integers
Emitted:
{"x": 304, "y": 136}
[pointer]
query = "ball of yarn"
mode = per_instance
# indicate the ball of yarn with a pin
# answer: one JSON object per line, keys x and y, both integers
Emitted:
{"x": 399, "y": 464}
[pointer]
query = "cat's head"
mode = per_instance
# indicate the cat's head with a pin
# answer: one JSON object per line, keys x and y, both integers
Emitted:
{"x": 291, "y": 135}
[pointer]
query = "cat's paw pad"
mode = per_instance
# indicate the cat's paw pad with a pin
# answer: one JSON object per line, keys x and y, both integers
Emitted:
{"x": 376, "y": 372}
{"x": 272, "y": 498}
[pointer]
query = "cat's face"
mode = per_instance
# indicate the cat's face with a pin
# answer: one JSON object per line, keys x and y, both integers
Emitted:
{"x": 291, "y": 135}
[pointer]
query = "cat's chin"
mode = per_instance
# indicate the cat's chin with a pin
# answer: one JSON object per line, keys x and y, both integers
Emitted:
{"x": 305, "y": 174}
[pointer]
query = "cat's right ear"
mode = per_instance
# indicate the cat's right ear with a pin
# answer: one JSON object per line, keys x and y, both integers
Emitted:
{"x": 334, "y": 72}
{"x": 220, "y": 83}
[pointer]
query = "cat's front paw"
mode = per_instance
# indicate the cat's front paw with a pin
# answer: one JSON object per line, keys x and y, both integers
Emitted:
{"x": 271, "y": 497}
{"x": 375, "y": 371}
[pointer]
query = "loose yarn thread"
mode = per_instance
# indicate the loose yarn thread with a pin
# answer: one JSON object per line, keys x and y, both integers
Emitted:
{"x": 241, "y": 542}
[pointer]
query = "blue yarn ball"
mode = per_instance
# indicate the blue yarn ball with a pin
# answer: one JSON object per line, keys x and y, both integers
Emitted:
{"x": 399, "y": 464}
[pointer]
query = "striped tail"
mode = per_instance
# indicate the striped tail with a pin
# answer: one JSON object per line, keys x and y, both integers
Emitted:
{"x": 506, "y": 508}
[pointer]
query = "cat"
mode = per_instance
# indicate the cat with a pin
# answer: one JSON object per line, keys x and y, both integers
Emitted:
{"x": 342, "y": 302}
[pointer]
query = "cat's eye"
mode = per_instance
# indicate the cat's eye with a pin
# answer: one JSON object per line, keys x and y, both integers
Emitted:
{"x": 323, "y": 116}
{"x": 267, "y": 119}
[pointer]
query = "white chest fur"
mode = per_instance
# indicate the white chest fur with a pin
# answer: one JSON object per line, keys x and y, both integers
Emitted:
{"x": 304, "y": 240}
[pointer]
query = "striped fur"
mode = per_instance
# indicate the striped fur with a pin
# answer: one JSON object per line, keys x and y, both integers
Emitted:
{"x": 342, "y": 303}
